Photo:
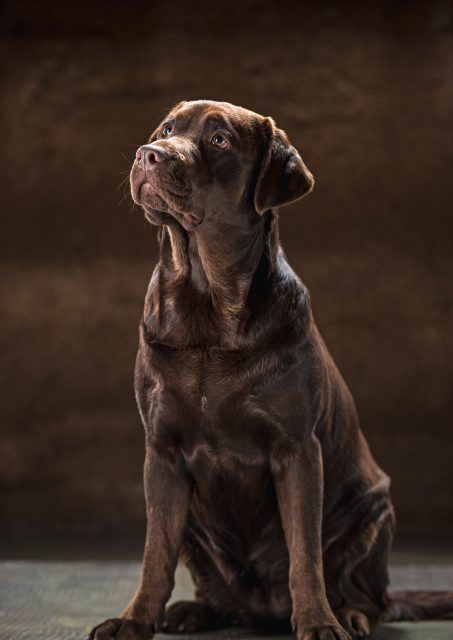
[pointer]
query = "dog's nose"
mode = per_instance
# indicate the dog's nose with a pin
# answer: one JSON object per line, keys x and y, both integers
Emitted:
{"x": 148, "y": 154}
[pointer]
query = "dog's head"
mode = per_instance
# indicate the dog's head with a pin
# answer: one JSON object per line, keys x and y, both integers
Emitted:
{"x": 212, "y": 159}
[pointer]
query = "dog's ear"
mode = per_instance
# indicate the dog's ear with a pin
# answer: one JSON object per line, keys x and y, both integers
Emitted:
{"x": 283, "y": 177}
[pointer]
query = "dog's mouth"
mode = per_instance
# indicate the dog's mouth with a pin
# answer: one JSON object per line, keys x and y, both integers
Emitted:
{"x": 163, "y": 197}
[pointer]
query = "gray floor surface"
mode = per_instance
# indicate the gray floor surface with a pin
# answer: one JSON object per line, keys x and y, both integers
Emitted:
{"x": 63, "y": 600}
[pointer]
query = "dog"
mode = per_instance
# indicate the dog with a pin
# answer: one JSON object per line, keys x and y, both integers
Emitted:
{"x": 257, "y": 474}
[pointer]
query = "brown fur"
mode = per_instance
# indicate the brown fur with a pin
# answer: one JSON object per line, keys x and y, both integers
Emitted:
{"x": 256, "y": 472}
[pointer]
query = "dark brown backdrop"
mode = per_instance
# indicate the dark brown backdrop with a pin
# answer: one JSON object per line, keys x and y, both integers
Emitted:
{"x": 364, "y": 90}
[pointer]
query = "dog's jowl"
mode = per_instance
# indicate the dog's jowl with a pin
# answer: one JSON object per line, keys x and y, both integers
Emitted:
{"x": 257, "y": 475}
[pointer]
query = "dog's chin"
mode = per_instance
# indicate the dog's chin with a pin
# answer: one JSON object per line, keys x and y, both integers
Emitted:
{"x": 166, "y": 208}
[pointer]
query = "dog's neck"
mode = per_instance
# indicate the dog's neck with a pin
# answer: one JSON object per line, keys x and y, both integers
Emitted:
{"x": 210, "y": 272}
{"x": 219, "y": 263}
{"x": 223, "y": 262}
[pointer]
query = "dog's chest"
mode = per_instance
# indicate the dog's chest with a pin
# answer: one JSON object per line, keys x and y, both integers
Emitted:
{"x": 214, "y": 414}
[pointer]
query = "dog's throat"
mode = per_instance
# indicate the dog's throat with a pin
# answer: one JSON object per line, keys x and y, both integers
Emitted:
{"x": 220, "y": 264}
{"x": 200, "y": 290}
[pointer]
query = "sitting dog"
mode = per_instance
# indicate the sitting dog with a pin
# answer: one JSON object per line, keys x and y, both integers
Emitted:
{"x": 257, "y": 474}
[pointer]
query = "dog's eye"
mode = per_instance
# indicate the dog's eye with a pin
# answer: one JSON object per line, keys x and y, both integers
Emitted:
{"x": 167, "y": 129}
{"x": 219, "y": 141}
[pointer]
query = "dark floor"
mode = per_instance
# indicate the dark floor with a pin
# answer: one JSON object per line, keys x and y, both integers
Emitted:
{"x": 55, "y": 600}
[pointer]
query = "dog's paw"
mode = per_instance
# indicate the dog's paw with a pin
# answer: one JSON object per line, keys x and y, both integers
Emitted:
{"x": 119, "y": 629}
{"x": 323, "y": 632}
{"x": 355, "y": 622}
{"x": 191, "y": 617}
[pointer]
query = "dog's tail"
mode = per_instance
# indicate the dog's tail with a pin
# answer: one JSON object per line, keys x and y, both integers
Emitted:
{"x": 420, "y": 605}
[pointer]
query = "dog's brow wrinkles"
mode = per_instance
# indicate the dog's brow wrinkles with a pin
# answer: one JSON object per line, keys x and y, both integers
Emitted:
{"x": 218, "y": 121}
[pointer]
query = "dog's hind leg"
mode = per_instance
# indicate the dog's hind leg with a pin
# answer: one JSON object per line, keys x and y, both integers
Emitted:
{"x": 192, "y": 616}
{"x": 225, "y": 595}
{"x": 357, "y": 576}
{"x": 215, "y": 601}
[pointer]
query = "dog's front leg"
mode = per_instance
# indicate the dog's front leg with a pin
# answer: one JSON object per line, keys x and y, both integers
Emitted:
{"x": 298, "y": 479}
{"x": 168, "y": 493}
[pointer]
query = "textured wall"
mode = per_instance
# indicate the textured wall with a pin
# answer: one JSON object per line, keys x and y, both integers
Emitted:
{"x": 365, "y": 92}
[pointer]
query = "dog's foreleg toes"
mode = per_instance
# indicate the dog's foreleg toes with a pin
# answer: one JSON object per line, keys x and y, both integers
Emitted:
{"x": 119, "y": 629}
{"x": 323, "y": 632}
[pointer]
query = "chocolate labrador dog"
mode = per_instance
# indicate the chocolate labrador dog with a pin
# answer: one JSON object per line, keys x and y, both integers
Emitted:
{"x": 257, "y": 474}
